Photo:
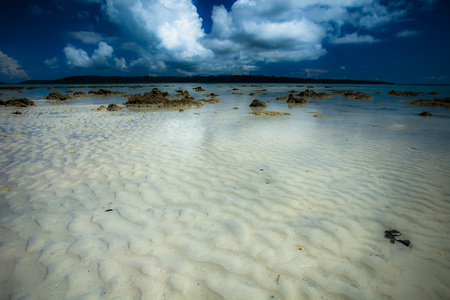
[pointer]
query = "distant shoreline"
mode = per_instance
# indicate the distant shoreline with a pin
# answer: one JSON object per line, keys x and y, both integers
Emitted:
{"x": 194, "y": 79}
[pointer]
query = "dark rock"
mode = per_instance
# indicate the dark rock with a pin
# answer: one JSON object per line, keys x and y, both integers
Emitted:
{"x": 425, "y": 114}
{"x": 358, "y": 96}
{"x": 292, "y": 99}
{"x": 114, "y": 107}
{"x": 269, "y": 113}
{"x": 199, "y": 89}
{"x": 80, "y": 94}
{"x": 58, "y": 96}
{"x": 257, "y": 103}
{"x": 2, "y": 102}
{"x": 405, "y": 94}
{"x": 19, "y": 102}
{"x": 102, "y": 92}
{"x": 312, "y": 94}
{"x": 438, "y": 102}
{"x": 159, "y": 100}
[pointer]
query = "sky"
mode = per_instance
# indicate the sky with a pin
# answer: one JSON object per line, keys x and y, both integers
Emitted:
{"x": 401, "y": 41}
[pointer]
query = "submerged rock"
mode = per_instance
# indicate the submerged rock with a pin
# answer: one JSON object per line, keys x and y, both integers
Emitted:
{"x": 358, "y": 96}
{"x": 101, "y": 108}
{"x": 319, "y": 116}
{"x": 269, "y": 113}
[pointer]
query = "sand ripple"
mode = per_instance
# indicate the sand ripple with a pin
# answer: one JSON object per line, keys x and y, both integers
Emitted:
{"x": 176, "y": 206}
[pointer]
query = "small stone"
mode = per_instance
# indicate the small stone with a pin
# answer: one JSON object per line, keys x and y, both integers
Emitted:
{"x": 425, "y": 114}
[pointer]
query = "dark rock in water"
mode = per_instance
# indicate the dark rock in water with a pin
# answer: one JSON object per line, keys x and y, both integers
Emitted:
{"x": 19, "y": 102}
{"x": 312, "y": 94}
{"x": 292, "y": 99}
{"x": 212, "y": 95}
{"x": 80, "y": 94}
{"x": 257, "y": 103}
{"x": 2, "y": 102}
{"x": 114, "y": 107}
{"x": 102, "y": 92}
{"x": 358, "y": 96}
{"x": 405, "y": 94}
{"x": 269, "y": 113}
{"x": 17, "y": 112}
{"x": 199, "y": 89}
{"x": 392, "y": 235}
{"x": 101, "y": 108}
{"x": 160, "y": 100}
{"x": 58, "y": 96}
{"x": 438, "y": 102}
{"x": 425, "y": 114}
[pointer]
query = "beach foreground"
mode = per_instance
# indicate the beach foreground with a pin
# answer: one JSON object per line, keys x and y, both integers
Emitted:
{"x": 216, "y": 203}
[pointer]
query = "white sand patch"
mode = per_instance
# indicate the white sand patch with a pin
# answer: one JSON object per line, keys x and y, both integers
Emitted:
{"x": 169, "y": 205}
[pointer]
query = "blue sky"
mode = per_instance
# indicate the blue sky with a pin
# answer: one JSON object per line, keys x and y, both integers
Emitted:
{"x": 403, "y": 41}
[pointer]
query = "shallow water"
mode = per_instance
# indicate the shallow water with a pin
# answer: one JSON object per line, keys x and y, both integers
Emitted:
{"x": 215, "y": 203}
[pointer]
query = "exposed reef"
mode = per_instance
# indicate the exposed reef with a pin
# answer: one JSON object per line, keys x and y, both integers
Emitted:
{"x": 161, "y": 100}
{"x": 405, "y": 94}
{"x": 59, "y": 97}
{"x": 18, "y": 102}
{"x": 438, "y": 102}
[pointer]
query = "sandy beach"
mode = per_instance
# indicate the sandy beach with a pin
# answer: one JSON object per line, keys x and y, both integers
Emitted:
{"x": 215, "y": 203}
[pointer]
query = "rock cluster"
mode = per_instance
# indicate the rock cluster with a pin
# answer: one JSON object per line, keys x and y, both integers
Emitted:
{"x": 405, "y": 94}
{"x": 358, "y": 96}
{"x": 438, "y": 102}
{"x": 312, "y": 94}
{"x": 160, "y": 100}
{"x": 102, "y": 92}
{"x": 301, "y": 97}
{"x": 293, "y": 100}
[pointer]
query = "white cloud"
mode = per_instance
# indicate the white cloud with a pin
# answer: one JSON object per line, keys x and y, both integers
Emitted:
{"x": 354, "y": 38}
{"x": 408, "y": 33}
{"x": 172, "y": 27}
{"x": 80, "y": 58}
{"x": 10, "y": 69}
{"x": 167, "y": 35}
{"x": 90, "y": 37}
{"x": 120, "y": 63}
{"x": 52, "y": 62}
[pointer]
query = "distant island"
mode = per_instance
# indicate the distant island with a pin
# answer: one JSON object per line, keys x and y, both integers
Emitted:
{"x": 194, "y": 79}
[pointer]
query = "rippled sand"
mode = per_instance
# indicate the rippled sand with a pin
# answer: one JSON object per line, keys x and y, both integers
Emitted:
{"x": 169, "y": 205}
